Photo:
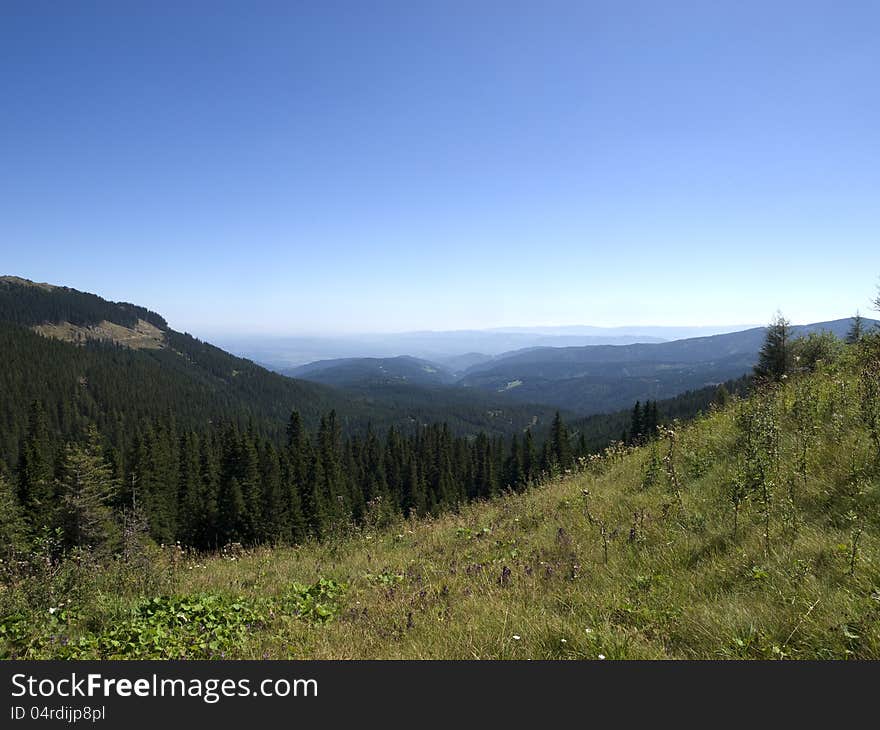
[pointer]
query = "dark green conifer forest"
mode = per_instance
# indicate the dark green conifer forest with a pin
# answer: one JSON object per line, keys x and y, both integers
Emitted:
{"x": 187, "y": 444}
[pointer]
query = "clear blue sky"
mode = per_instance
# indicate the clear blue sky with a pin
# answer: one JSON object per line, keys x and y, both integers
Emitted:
{"x": 342, "y": 166}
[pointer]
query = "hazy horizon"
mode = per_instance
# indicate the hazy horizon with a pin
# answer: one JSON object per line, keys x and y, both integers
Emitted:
{"x": 548, "y": 329}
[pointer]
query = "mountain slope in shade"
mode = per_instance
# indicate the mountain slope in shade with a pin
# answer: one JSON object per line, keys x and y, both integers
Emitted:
{"x": 596, "y": 379}
{"x": 357, "y": 371}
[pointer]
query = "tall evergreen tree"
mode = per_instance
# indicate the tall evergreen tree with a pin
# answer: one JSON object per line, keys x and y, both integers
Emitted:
{"x": 856, "y": 330}
{"x": 301, "y": 495}
{"x": 333, "y": 484}
{"x": 296, "y": 529}
{"x": 248, "y": 475}
{"x": 650, "y": 420}
{"x": 529, "y": 457}
{"x": 36, "y": 469}
{"x": 414, "y": 502}
{"x": 275, "y": 526}
{"x": 560, "y": 443}
{"x": 87, "y": 490}
{"x": 232, "y": 517}
{"x": 775, "y": 359}
{"x": 231, "y": 520}
{"x": 636, "y": 429}
{"x": 209, "y": 463}
{"x": 191, "y": 508}
{"x": 13, "y": 534}
{"x": 513, "y": 468}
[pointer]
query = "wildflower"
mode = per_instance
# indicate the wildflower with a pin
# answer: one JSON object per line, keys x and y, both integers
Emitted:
{"x": 589, "y": 631}
{"x": 52, "y": 609}
{"x": 601, "y": 656}
{"x": 564, "y": 641}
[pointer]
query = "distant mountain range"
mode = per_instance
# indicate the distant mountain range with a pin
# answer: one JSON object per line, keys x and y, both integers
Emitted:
{"x": 585, "y": 380}
{"x": 456, "y": 350}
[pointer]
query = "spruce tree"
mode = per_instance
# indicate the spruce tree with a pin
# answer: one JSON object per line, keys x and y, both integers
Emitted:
{"x": 232, "y": 517}
{"x": 549, "y": 464}
{"x": 333, "y": 485}
{"x": 300, "y": 494}
{"x": 774, "y": 361}
{"x": 529, "y": 458}
{"x": 231, "y": 521}
{"x": 87, "y": 490}
{"x": 722, "y": 396}
{"x": 209, "y": 463}
{"x": 636, "y": 429}
{"x": 582, "y": 445}
{"x": 414, "y": 500}
{"x": 248, "y": 474}
{"x": 513, "y": 468}
{"x": 12, "y": 524}
{"x": 560, "y": 444}
{"x": 191, "y": 508}
{"x": 650, "y": 421}
{"x": 275, "y": 524}
{"x": 856, "y": 330}
{"x": 36, "y": 470}
{"x": 297, "y": 524}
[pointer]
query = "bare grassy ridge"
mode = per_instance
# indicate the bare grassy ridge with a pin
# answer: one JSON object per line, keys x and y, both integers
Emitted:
{"x": 525, "y": 576}
{"x": 143, "y": 336}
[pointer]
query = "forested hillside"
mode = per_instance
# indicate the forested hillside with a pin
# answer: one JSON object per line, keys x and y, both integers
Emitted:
{"x": 204, "y": 448}
{"x": 753, "y": 532}
{"x": 599, "y": 379}
{"x": 380, "y": 370}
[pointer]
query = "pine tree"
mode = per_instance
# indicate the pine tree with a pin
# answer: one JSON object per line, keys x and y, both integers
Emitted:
{"x": 636, "y": 428}
{"x": 529, "y": 458}
{"x": 582, "y": 445}
{"x": 560, "y": 444}
{"x": 209, "y": 463}
{"x": 549, "y": 464}
{"x": 232, "y": 515}
{"x": 318, "y": 515}
{"x": 36, "y": 470}
{"x": 275, "y": 526}
{"x": 248, "y": 475}
{"x": 650, "y": 421}
{"x": 87, "y": 490}
{"x": 722, "y": 396}
{"x": 856, "y": 330}
{"x": 12, "y": 524}
{"x": 300, "y": 491}
{"x": 332, "y": 486}
{"x": 191, "y": 507}
{"x": 231, "y": 523}
{"x": 513, "y": 467}
{"x": 414, "y": 502}
{"x": 296, "y": 524}
{"x": 774, "y": 361}
{"x": 156, "y": 474}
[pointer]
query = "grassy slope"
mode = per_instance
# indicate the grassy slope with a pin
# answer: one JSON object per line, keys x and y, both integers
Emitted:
{"x": 682, "y": 588}
{"x": 679, "y": 586}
